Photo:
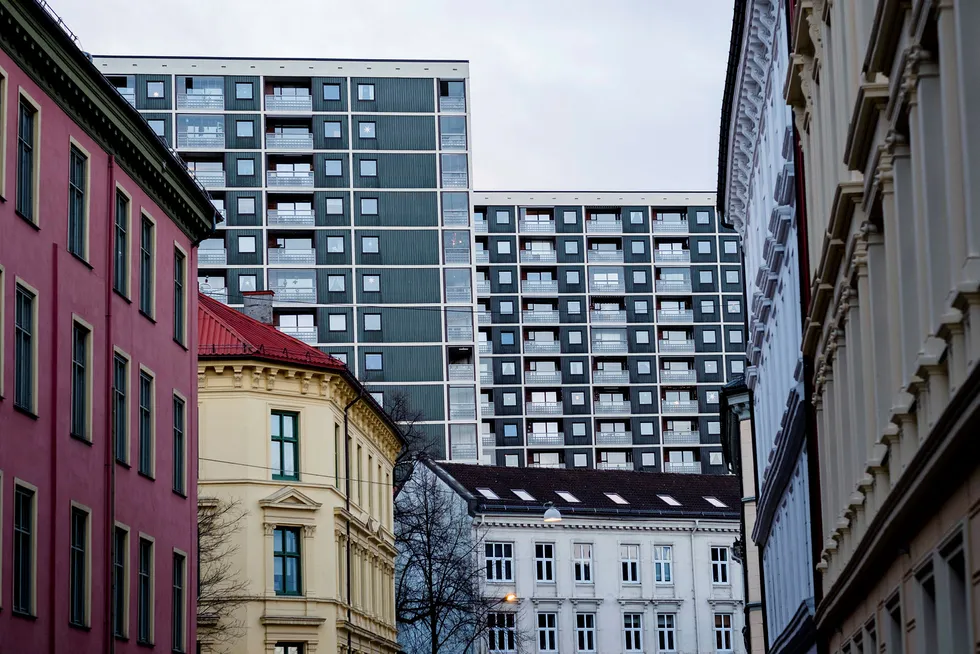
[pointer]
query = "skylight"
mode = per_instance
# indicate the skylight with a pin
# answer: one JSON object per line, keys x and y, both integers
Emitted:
{"x": 523, "y": 494}
{"x": 487, "y": 493}
{"x": 617, "y": 498}
{"x": 568, "y": 497}
{"x": 669, "y": 500}
{"x": 714, "y": 501}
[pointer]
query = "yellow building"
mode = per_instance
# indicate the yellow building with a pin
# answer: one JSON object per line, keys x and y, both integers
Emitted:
{"x": 275, "y": 416}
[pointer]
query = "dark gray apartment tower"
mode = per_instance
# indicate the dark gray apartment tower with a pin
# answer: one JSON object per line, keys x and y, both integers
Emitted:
{"x": 345, "y": 190}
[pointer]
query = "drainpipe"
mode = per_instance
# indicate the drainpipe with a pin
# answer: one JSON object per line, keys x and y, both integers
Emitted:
{"x": 55, "y": 436}
{"x": 110, "y": 423}
{"x": 360, "y": 395}
{"x": 694, "y": 581}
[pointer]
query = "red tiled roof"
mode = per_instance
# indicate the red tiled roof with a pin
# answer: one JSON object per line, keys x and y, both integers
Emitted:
{"x": 224, "y": 332}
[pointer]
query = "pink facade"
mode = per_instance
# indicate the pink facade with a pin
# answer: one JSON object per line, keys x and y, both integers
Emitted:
{"x": 38, "y": 451}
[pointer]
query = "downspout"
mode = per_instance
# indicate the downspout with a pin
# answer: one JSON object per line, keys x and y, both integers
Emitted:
{"x": 694, "y": 582}
{"x": 56, "y": 319}
{"x": 360, "y": 395}
{"x": 110, "y": 423}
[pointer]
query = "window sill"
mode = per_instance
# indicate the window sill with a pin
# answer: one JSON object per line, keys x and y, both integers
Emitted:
{"x": 121, "y": 638}
{"x": 81, "y": 260}
{"x": 180, "y": 493}
{"x": 182, "y": 345}
{"x": 23, "y": 615}
{"x": 27, "y": 412}
{"x": 124, "y": 464}
{"x": 30, "y": 222}
{"x": 122, "y": 295}
{"x": 145, "y": 643}
{"x": 81, "y": 439}
{"x": 80, "y": 627}
{"x": 148, "y": 316}
{"x": 147, "y": 475}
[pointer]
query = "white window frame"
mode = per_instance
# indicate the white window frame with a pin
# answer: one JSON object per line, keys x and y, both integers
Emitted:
{"x": 629, "y": 560}
{"x": 663, "y": 565}
{"x": 544, "y": 563}
{"x": 633, "y": 634}
{"x": 548, "y": 631}
{"x": 720, "y": 568}
{"x": 585, "y": 632}
{"x": 667, "y": 632}
{"x": 724, "y": 633}
{"x": 499, "y": 565}
{"x": 582, "y": 563}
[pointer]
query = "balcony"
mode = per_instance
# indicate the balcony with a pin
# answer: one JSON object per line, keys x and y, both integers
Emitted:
{"x": 543, "y": 408}
{"x": 483, "y": 318}
{"x": 485, "y": 347}
{"x": 481, "y": 256}
{"x": 551, "y": 378}
{"x": 292, "y": 294}
{"x": 542, "y": 347}
{"x": 675, "y": 346}
{"x": 673, "y": 285}
{"x": 128, "y": 94}
{"x": 488, "y": 440}
{"x": 605, "y": 256}
{"x": 681, "y": 437}
{"x": 462, "y": 411}
{"x": 453, "y": 141}
{"x": 457, "y": 333}
{"x": 546, "y": 439}
{"x": 452, "y": 104}
{"x": 684, "y": 315}
{"x": 276, "y": 141}
{"x": 678, "y": 376}
{"x": 672, "y": 256}
{"x": 486, "y": 378}
{"x": 305, "y": 334}
{"x": 304, "y": 256}
{"x": 219, "y": 294}
{"x": 457, "y": 255}
{"x": 614, "y": 438}
{"x": 679, "y": 406}
{"x": 610, "y": 465}
{"x": 536, "y": 226}
{"x": 454, "y": 180}
{"x": 289, "y": 103}
{"x": 215, "y": 101}
{"x": 455, "y": 217}
{"x": 461, "y": 372}
{"x": 610, "y": 346}
{"x": 289, "y": 178}
{"x": 482, "y": 287}
{"x": 554, "y": 466}
{"x": 539, "y": 287}
{"x": 539, "y": 256}
{"x": 201, "y": 140}
{"x": 683, "y": 468}
{"x": 210, "y": 178}
{"x": 291, "y": 217}
{"x": 480, "y": 226}
{"x": 609, "y": 316}
{"x": 487, "y": 409}
{"x": 604, "y": 226}
{"x": 610, "y": 376}
{"x": 605, "y": 287}
{"x": 540, "y": 316}
{"x": 463, "y": 452}
{"x": 213, "y": 257}
{"x": 612, "y": 406}
{"x": 671, "y": 227}
{"x": 458, "y": 294}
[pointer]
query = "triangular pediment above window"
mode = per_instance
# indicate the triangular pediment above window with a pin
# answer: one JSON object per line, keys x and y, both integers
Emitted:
{"x": 288, "y": 497}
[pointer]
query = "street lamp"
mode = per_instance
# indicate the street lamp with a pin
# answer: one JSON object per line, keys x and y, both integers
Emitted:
{"x": 551, "y": 514}
{"x": 510, "y": 598}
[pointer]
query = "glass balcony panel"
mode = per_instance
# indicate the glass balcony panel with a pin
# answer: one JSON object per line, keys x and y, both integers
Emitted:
{"x": 455, "y": 217}
{"x": 554, "y": 466}
{"x": 486, "y": 378}
{"x": 542, "y": 347}
{"x": 667, "y": 227}
{"x": 454, "y": 180}
{"x": 212, "y": 257}
{"x": 604, "y": 226}
{"x": 461, "y": 371}
{"x": 277, "y": 141}
{"x": 458, "y": 294}
{"x": 485, "y": 347}
{"x": 611, "y": 376}
{"x": 605, "y": 256}
{"x": 453, "y": 141}
{"x": 482, "y": 256}
{"x": 618, "y": 465}
{"x": 214, "y": 101}
{"x": 457, "y": 255}
{"x": 463, "y": 452}
{"x": 543, "y": 408}
{"x": 291, "y": 217}
{"x": 679, "y": 406}
{"x": 609, "y": 316}
{"x": 678, "y": 376}
{"x": 672, "y": 437}
{"x": 673, "y": 286}
{"x": 537, "y": 226}
{"x": 539, "y": 256}
{"x": 672, "y": 256}
{"x": 201, "y": 140}
{"x": 614, "y": 438}
{"x": 675, "y": 346}
{"x": 462, "y": 411}
{"x": 487, "y": 409}
{"x": 598, "y": 286}
{"x": 610, "y": 346}
{"x": 547, "y": 438}
{"x": 480, "y": 226}
{"x": 683, "y": 468}
{"x": 483, "y": 287}
{"x": 483, "y": 317}
{"x": 612, "y": 406}
{"x": 289, "y": 178}
{"x": 684, "y": 315}
{"x": 210, "y": 178}
{"x": 452, "y": 104}
{"x": 540, "y": 316}
{"x": 488, "y": 440}
{"x": 533, "y": 377}
{"x": 219, "y": 294}
{"x": 288, "y": 103}
{"x": 305, "y": 334}
{"x": 292, "y": 256}
{"x": 544, "y": 287}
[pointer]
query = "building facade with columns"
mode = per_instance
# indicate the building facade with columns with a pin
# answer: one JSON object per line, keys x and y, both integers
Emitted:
{"x": 885, "y": 97}
{"x": 289, "y": 435}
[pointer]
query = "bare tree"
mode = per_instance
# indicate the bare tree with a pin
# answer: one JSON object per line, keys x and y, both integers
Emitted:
{"x": 398, "y": 405}
{"x": 222, "y": 590}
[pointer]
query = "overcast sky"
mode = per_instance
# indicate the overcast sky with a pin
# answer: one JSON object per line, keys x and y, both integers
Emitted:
{"x": 565, "y": 94}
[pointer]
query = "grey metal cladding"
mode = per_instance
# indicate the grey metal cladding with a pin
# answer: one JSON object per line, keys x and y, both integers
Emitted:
{"x": 323, "y": 255}
{"x": 236, "y": 258}
{"x": 399, "y": 209}
{"x": 629, "y": 256}
{"x": 320, "y": 179}
{"x": 400, "y": 248}
{"x": 397, "y": 171}
{"x": 233, "y": 282}
{"x": 324, "y": 219}
{"x": 144, "y": 101}
{"x": 692, "y": 223}
{"x": 323, "y": 324}
{"x": 561, "y": 226}
{"x": 246, "y": 181}
{"x": 403, "y": 363}
{"x": 637, "y": 407}
{"x": 726, "y": 257}
{"x": 401, "y": 286}
{"x": 233, "y": 103}
{"x": 346, "y": 351}
{"x": 397, "y": 94}
{"x": 704, "y": 257}
{"x": 635, "y": 345}
{"x": 629, "y": 227}
{"x": 235, "y": 142}
{"x": 396, "y": 132}
{"x": 565, "y": 287}
{"x": 325, "y": 295}
{"x": 577, "y": 257}
{"x": 168, "y": 125}
{"x": 699, "y": 342}
{"x": 401, "y": 324}
{"x": 320, "y": 139}
{"x": 319, "y": 104}
{"x": 493, "y": 225}
{"x": 236, "y": 219}
{"x": 434, "y": 436}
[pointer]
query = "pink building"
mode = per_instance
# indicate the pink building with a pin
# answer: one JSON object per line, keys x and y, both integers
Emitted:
{"x": 98, "y": 375}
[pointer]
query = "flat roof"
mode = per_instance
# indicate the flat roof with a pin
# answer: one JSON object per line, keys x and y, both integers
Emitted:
{"x": 154, "y": 65}
{"x": 646, "y": 198}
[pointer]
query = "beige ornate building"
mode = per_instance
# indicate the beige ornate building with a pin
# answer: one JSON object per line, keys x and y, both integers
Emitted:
{"x": 275, "y": 416}
{"x": 887, "y": 101}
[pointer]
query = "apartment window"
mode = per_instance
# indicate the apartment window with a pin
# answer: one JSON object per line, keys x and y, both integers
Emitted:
{"x": 335, "y": 206}
{"x": 178, "y": 603}
{"x": 508, "y": 368}
{"x": 331, "y": 130}
{"x": 369, "y": 168}
{"x": 710, "y": 367}
{"x": 373, "y": 362}
{"x": 719, "y": 565}
{"x": 571, "y": 247}
{"x": 246, "y": 282}
{"x": 710, "y": 336}
{"x": 585, "y": 632}
{"x": 572, "y": 277}
{"x": 120, "y": 538}
{"x": 506, "y": 338}
{"x": 246, "y": 244}
{"x": 578, "y": 399}
{"x": 575, "y": 337}
{"x": 180, "y": 301}
{"x": 707, "y": 306}
{"x": 23, "y": 557}
{"x": 643, "y": 336}
{"x": 120, "y": 407}
{"x": 245, "y": 167}
{"x": 637, "y": 247}
{"x": 633, "y": 632}
{"x": 80, "y": 393}
{"x": 576, "y": 368}
{"x": 78, "y": 568}
{"x": 715, "y": 458}
{"x": 120, "y": 246}
{"x": 26, "y": 172}
{"x": 244, "y": 128}
{"x": 646, "y": 429}
{"x": 738, "y": 367}
{"x": 666, "y": 635}
{"x": 569, "y": 217}
{"x": 645, "y": 397}
{"x": 734, "y": 306}
{"x": 285, "y": 445}
{"x": 714, "y": 427}
{"x": 547, "y": 632}
{"x": 337, "y": 322}
{"x": 286, "y": 561}
{"x": 510, "y": 430}
{"x": 636, "y": 217}
{"x": 723, "y": 632}
{"x": 369, "y": 206}
{"x": 499, "y": 561}
{"x": 731, "y": 277}
{"x": 510, "y": 399}
{"x": 336, "y": 283}
{"x": 640, "y": 307}
{"x": 146, "y": 266}
{"x": 643, "y": 367}
{"x": 367, "y": 130}
{"x": 246, "y": 206}
{"x": 544, "y": 562}
{"x": 574, "y": 307}
{"x": 662, "y": 564}
{"x": 371, "y": 283}
{"x": 372, "y": 322}
{"x": 702, "y": 217}
{"x": 333, "y": 168}
{"x": 369, "y": 245}
{"x": 704, "y": 247}
{"x": 335, "y": 244}
{"x": 639, "y": 277}
{"x": 648, "y": 459}
{"x": 179, "y": 463}
{"x": 158, "y": 125}
{"x": 331, "y": 92}
{"x": 501, "y": 632}
{"x": 365, "y": 91}
{"x": 502, "y": 217}
{"x": 731, "y": 247}
{"x": 146, "y": 424}
{"x": 503, "y": 247}
{"x": 735, "y": 336}
{"x": 629, "y": 558}
{"x": 582, "y": 563}
{"x": 144, "y": 606}
{"x": 704, "y": 276}
{"x": 243, "y": 91}
{"x": 580, "y": 460}
{"x": 505, "y": 277}
{"x": 24, "y": 326}
{"x": 506, "y": 307}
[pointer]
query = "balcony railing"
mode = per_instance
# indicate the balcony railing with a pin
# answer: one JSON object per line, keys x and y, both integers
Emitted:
{"x": 457, "y": 333}
{"x": 614, "y": 438}
{"x": 488, "y": 440}
{"x": 210, "y": 178}
{"x": 683, "y": 315}
{"x": 128, "y": 94}
{"x": 483, "y": 287}
{"x": 536, "y": 226}
{"x": 610, "y": 376}
{"x": 457, "y": 255}
{"x": 539, "y": 256}
{"x": 288, "y": 103}
{"x": 202, "y": 140}
{"x": 213, "y": 257}
{"x": 305, "y": 334}
{"x": 665, "y": 227}
{"x": 485, "y": 347}
{"x": 605, "y": 256}
{"x": 452, "y": 104}
{"x": 289, "y": 178}
{"x": 678, "y": 376}
{"x": 486, "y": 378}
{"x": 201, "y": 101}
{"x": 454, "y": 180}
{"x": 543, "y": 408}
{"x": 483, "y": 317}
{"x": 291, "y": 217}
{"x": 672, "y": 256}
{"x": 462, "y": 411}
{"x": 542, "y": 347}
{"x": 455, "y": 217}
{"x": 224, "y": 213}
{"x": 609, "y": 316}
{"x": 673, "y": 285}
{"x": 481, "y": 256}
{"x": 679, "y": 406}
{"x": 610, "y": 465}
{"x": 276, "y": 141}
{"x": 552, "y": 438}
{"x": 675, "y": 346}
{"x": 681, "y": 437}
{"x": 612, "y": 406}
{"x": 292, "y": 255}
{"x": 461, "y": 371}
{"x": 453, "y": 141}
{"x": 458, "y": 294}
{"x": 544, "y": 287}
{"x": 554, "y": 466}
{"x": 463, "y": 452}
{"x": 480, "y": 226}
{"x": 610, "y": 346}
{"x": 683, "y": 468}
{"x": 487, "y": 409}
{"x": 606, "y": 287}
{"x": 534, "y": 377}
{"x": 540, "y": 316}
{"x": 604, "y": 226}
{"x": 290, "y": 294}
{"x": 219, "y": 294}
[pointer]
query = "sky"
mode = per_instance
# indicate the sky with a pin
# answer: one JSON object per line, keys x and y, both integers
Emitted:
{"x": 564, "y": 94}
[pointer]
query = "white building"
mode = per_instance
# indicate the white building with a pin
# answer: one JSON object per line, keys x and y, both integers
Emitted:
{"x": 640, "y": 562}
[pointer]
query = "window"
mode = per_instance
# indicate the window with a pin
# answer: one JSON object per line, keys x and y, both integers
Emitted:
{"x": 23, "y": 556}
{"x": 738, "y": 367}
{"x": 369, "y": 245}
{"x": 719, "y": 565}
{"x": 582, "y": 564}
{"x": 575, "y": 368}
{"x": 179, "y": 462}
{"x": 337, "y": 322}
{"x": 26, "y": 160}
{"x": 335, "y": 206}
{"x": 501, "y": 632}
{"x": 662, "y": 557}
{"x": 373, "y": 362}
{"x": 499, "y": 561}
{"x": 505, "y": 277}
{"x": 704, "y": 247}
{"x": 367, "y": 130}
{"x": 723, "y": 632}
{"x": 707, "y": 306}
{"x": 640, "y": 307}
{"x": 503, "y": 247}
{"x": 578, "y": 399}
{"x": 365, "y": 91}
{"x": 245, "y": 167}
{"x": 120, "y": 408}
{"x": 575, "y": 337}
{"x": 158, "y": 125}
{"x": 147, "y": 249}
{"x": 643, "y": 367}
{"x": 120, "y": 585}
{"x": 510, "y": 399}
{"x": 286, "y": 561}
{"x": 572, "y": 277}
{"x": 715, "y": 458}
{"x": 502, "y": 217}
{"x": 710, "y": 367}
{"x": 648, "y": 459}
{"x": 146, "y": 424}
{"x": 144, "y": 597}
{"x": 333, "y": 168}
{"x": 177, "y": 632}
{"x": 246, "y": 244}
{"x": 633, "y": 631}
{"x": 246, "y": 282}
{"x": 331, "y": 92}
{"x": 629, "y": 556}
{"x": 665, "y": 632}
{"x": 580, "y": 460}
{"x": 645, "y": 397}
{"x": 636, "y": 217}
{"x": 508, "y": 368}
{"x": 243, "y": 91}
{"x": 154, "y": 90}
{"x": 335, "y": 244}
{"x": 340, "y": 356}
{"x": 180, "y": 302}
{"x": 547, "y": 632}
{"x": 643, "y": 336}
{"x": 637, "y": 247}
{"x": 246, "y": 206}
{"x": 369, "y": 206}
{"x": 571, "y": 247}
{"x": 372, "y": 322}
{"x": 574, "y": 307}
{"x": 336, "y": 283}
{"x": 371, "y": 283}
{"x": 120, "y": 246}
{"x": 709, "y": 336}
{"x": 731, "y": 277}
{"x": 77, "y": 208}
{"x": 78, "y": 568}
{"x": 506, "y": 338}
{"x": 244, "y": 128}
{"x": 506, "y": 307}
{"x": 704, "y": 277}
{"x": 569, "y": 217}
{"x": 734, "y": 306}
{"x": 331, "y": 130}
{"x": 714, "y": 427}
{"x": 731, "y": 247}
{"x": 639, "y": 277}
{"x": 544, "y": 562}
{"x": 735, "y": 336}
{"x": 585, "y": 632}
{"x": 80, "y": 393}
{"x": 510, "y": 430}
{"x": 369, "y": 168}
{"x": 285, "y": 444}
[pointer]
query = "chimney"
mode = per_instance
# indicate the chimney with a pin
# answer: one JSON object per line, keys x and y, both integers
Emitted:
{"x": 258, "y": 305}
